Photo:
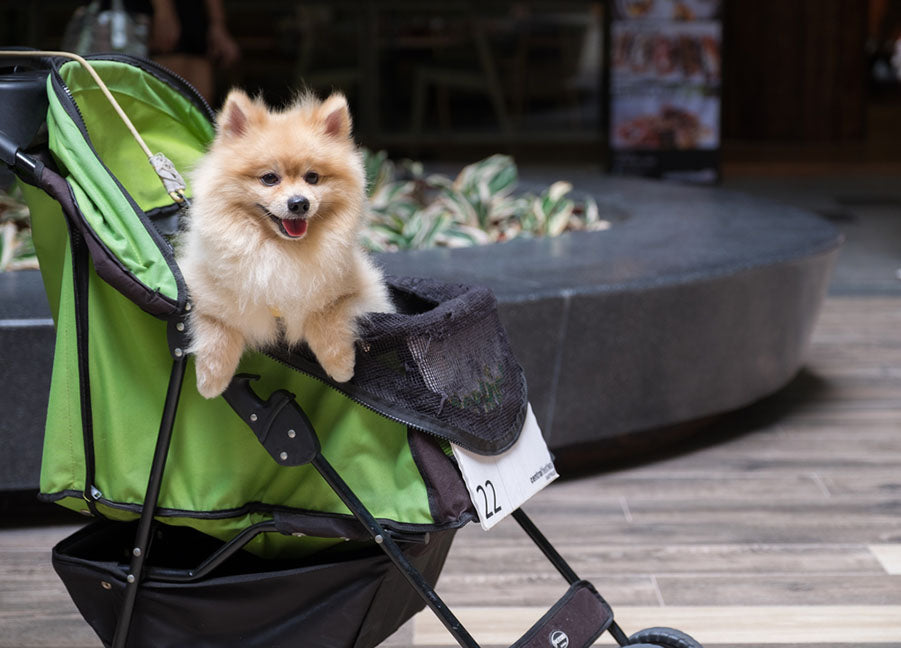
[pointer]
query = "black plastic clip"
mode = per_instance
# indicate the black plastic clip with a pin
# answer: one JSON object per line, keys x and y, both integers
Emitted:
{"x": 279, "y": 423}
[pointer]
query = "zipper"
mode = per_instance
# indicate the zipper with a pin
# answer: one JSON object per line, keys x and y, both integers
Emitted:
{"x": 404, "y": 532}
{"x": 57, "y": 80}
{"x": 445, "y": 439}
{"x": 156, "y": 70}
{"x": 163, "y": 74}
{"x": 81, "y": 288}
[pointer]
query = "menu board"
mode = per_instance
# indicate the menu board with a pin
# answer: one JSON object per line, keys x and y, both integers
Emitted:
{"x": 665, "y": 79}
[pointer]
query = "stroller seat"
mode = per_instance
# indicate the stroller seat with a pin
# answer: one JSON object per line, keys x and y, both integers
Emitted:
{"x": 294, "y": 510}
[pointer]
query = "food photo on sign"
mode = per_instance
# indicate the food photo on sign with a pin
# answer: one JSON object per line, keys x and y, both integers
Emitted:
{"x": 664, "y": 91}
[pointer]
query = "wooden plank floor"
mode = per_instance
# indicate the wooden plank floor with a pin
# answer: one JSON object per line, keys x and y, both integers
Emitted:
{"x": 778, "y": 526}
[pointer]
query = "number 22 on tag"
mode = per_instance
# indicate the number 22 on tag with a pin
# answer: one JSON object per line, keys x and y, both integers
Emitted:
{"x": 499, "y": 484}
{"x": 492, "y": 508}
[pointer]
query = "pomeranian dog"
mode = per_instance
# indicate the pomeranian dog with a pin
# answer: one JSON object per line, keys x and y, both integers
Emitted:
{"x": 271, "y": 249}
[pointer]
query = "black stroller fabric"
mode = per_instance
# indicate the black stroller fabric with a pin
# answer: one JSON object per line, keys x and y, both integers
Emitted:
{"x": 347, "y": 597}
{"x": 442, "y": 363}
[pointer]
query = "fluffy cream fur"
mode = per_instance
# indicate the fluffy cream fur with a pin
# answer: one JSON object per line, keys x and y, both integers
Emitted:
{"x": 250, "y": 280}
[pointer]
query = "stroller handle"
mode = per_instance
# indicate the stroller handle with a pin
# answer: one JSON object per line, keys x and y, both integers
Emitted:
{"x": 23, "y": 106}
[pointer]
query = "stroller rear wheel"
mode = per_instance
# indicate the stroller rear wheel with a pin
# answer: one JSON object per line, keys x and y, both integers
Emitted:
{"x": 662, "y": 638}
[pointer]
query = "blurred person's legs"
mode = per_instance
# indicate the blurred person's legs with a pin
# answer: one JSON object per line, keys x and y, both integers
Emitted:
{"x": 188, "y": 37}
{"x": 197, "y": 70}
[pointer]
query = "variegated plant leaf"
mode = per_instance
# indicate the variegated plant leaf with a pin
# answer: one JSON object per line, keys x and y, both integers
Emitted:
{"x": 412, "y": 209}
{"x": 590, "y": 211}
{"x": 435, "y": 227}
{"x": 463, "y": 236}
{"x": 379, "y": 170}
{"x": 559, "y": 217}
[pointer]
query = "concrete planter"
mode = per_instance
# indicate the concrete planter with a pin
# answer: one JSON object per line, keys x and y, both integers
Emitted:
{"x": 26, "y": 356}
{"x": 700, "y": 302}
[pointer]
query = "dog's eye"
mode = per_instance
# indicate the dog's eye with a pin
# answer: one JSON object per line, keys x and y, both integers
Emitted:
{"x": 270, "y": 179}
{"x": 311, "y": 177}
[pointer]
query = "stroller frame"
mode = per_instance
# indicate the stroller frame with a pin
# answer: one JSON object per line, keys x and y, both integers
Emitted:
{"x": 281, "y": 410}
{"x": 287, "y": 434}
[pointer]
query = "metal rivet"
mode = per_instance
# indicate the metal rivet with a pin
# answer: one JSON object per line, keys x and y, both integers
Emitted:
{"x": 179, "y": 353}
{"x": 130, "y": 578}
{"x": 253, "y": 417}
{"x": 379, "y": 539}
{"x": 105, "y": 585}
{"x": 291, "y": 434}
{"x": 136, "y": 552}
{"x": 179, "y": 326}
{"x": 284, "y": 456}
{"x": 188, "y": 306}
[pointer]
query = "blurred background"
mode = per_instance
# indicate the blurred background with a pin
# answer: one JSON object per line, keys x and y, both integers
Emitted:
{"x": 564, "y": 81}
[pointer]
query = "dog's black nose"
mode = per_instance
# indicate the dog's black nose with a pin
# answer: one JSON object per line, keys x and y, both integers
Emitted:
{"x": 298, "y": 204}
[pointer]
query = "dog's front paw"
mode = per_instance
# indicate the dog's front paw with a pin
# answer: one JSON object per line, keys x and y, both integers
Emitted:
{"x": 211, "y": 380}
{"x": 340, "y": 366}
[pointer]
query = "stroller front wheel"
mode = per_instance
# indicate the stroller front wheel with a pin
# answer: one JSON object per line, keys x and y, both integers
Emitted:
{"x": 662, "y": 638}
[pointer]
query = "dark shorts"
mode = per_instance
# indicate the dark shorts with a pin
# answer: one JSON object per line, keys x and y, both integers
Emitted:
{"x": 195, "y": 25}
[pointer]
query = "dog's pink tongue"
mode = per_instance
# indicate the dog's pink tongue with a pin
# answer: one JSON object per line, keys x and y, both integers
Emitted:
{"x": 295, "y": 226}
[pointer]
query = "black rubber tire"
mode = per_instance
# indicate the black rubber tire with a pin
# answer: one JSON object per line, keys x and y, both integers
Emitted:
{"x": 644, "y": 646}
{"x": 663, "y": 638}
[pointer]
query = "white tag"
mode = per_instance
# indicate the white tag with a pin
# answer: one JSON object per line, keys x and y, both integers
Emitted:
{"x": 500, "y": 484}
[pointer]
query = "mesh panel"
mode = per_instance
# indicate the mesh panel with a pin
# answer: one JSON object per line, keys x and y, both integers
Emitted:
{"x": 442, "y": 363}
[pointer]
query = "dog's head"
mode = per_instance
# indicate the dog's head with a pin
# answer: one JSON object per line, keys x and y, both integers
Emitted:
{"x": 294, "y": 170}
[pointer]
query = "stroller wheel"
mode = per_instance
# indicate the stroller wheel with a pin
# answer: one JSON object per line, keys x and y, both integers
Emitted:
{"x": 662, "y": 638}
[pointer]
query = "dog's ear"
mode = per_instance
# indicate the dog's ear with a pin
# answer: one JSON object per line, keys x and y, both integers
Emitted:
{"x": 236, "y": 114}
{"x": 336, "y": 115}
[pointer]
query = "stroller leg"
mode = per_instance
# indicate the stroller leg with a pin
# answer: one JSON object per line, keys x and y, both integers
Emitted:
{"x": 142, "y": 537}
{"x": 546, "y": 547}
{"x": 562, "y": 566}
{"x": 416, "y": 580}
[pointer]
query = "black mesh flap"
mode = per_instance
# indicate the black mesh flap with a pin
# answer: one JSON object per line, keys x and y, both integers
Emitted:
{"x": 576, "y": 621}
{"x": 442, "y": 363}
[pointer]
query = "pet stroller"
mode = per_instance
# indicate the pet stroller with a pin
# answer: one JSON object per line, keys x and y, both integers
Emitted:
{"x": 293, "y": 511}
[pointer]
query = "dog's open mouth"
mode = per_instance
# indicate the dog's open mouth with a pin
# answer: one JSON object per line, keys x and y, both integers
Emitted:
{"x": 293, "y": 227}
{"x": 290, "y": 227}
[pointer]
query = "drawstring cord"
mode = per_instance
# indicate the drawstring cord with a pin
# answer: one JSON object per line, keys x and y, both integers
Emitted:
{"x": 165, "y": 170}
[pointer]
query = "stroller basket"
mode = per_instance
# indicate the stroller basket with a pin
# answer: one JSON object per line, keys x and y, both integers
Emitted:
{"x": 342, "y": 597}
{"x": 294, "y": 510}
